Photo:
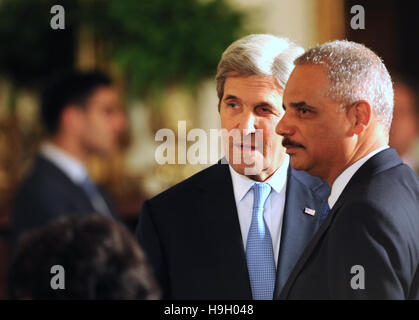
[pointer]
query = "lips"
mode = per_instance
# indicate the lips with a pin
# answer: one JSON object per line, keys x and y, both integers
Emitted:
{"x": 245, "y": 146}
{"x": 293, "y": 146}
{"x": 291, "y": 149}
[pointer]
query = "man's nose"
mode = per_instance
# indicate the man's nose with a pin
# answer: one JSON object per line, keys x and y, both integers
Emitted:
{"x": 247, "y": 123}
{"x": 120, "y": 121}
{"x": 283, "y": 127}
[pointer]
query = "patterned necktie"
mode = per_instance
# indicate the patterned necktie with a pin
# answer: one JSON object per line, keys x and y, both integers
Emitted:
{"x": 95, "y": 198}
{"x": 259, "y": 250}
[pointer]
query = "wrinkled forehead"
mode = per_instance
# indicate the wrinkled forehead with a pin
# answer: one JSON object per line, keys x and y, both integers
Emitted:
{"x": 307, "y": 80}
{"x": 235, "y": 79}
{"x": 252, "y": 89}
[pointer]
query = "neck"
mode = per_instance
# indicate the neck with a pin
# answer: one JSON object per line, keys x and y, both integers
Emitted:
{"x": 359, "y": 151}
{"x": 266, "y": 173}
{"x": 263, "y": 176}
{"x": 70, "y": 146}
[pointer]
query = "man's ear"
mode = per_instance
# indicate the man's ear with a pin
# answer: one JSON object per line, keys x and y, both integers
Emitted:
{"x": 71, "y": 118}
{"x": 362, "y": 113}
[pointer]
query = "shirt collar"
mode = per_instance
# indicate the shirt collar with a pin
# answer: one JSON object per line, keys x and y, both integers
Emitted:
{"x": 242, "y": 184}
{"x": 343, "y": 179}
{"x": 72, "y": 167}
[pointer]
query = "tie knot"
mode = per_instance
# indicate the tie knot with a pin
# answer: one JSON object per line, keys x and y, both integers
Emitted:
{"x": 261, "y": 192}
{"x": 325, "y": 212}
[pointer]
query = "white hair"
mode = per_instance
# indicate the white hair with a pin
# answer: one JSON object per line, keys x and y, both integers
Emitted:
{"x": 258, "y": 54}
{"x": 356, "y": 73}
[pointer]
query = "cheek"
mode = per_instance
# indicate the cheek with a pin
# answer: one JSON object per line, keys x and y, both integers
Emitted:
{"x": 308, "y": 134}
{"x": 98, "y": 127}
{"x": 226, "y": 121}
{"x": 328, "y": 145}
{"x": 272, "y": 142}
{"x": 269, "y": 134}
{"x": 317, "y": 139}
{"x": 326, "y": 130}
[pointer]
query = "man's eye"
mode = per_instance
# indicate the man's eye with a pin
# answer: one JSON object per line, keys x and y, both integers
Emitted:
{"x": 303, "y": 110}
{"x": 232, "y": 105}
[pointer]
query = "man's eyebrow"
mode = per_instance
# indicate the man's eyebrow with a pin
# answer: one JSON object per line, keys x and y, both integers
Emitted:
{"x": 264, "y": 104}
{"x": 258, "y": 104}
{"x": 230, "y": 97}
{"x": 300, "y": 104}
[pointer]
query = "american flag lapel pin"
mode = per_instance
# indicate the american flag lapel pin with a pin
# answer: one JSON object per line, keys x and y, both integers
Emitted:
{"x": 309, "y": 211}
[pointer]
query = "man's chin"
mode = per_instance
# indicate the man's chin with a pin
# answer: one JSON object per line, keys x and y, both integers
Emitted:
{"x": 248, "y": 170}
{"x": 246, "y": 162}
{"x": 102, "y": 151}
{"x": 297, "y": 164}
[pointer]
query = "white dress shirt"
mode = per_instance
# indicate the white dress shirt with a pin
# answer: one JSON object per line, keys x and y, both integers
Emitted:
{"x": 343, "y": 179}
{"x": 274, "y": 204}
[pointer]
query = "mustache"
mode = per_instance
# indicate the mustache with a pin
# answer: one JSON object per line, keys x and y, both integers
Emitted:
{"x": 286, "y": 142}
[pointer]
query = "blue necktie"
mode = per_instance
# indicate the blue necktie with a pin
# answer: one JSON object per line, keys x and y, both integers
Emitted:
{"x": 259, "y": 250}
{"x": 325, "y": 212}
{"x": 96, "y": 199}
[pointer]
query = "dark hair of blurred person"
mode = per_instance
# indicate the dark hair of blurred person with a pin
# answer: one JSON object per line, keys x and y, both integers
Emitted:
{"x": 405, "y": 125}
{"x": 81, "y": 115}
{"x": 101, "y": 260}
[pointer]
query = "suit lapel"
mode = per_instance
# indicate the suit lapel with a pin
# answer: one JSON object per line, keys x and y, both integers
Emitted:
{"x": 78, "y": 197}
{"x": 307, "y": 252}
{"x": 222, "y": 229}
{"x": 297, "y": 227}
{"x": 382, "y": 161}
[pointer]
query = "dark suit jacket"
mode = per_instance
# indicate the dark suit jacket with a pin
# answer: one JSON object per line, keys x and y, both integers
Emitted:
{"x": 374, "y": 224}
{"x": 192, "y": 236}
{"x": 47, "y": 193}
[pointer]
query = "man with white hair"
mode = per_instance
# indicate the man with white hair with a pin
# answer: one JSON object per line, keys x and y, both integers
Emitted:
{"x": 339, "y": 104}
{"x": 236, "y": 229}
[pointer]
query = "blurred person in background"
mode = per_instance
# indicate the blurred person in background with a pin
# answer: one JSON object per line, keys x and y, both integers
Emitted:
{"x": 100, "y": 259}
{"x": 81, "y": 116}
{"x": 404, "y": 130}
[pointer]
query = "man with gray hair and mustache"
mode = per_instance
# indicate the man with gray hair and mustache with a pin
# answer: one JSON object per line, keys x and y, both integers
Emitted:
{"x": 235, "y": 230}
{"x": 339, "y": 105}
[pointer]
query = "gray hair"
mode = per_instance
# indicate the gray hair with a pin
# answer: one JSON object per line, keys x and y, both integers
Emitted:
{"x": 356, "y": 73}
{"x": 258, "y": 54}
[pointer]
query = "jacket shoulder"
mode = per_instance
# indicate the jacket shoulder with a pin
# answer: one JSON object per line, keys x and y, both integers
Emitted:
{"x": 43, "y": 178}
{"x": 314, "y": 184}
{"x": 198, "y": 182}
